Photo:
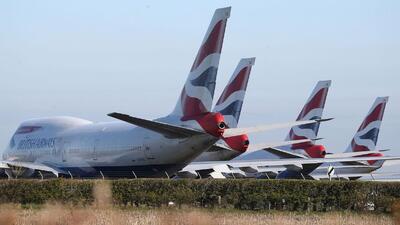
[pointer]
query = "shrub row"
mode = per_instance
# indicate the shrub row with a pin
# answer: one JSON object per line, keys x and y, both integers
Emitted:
{"x": 239, "y": 194}
{"x": 259, "y": 194}
{"x": 42, "y": 191}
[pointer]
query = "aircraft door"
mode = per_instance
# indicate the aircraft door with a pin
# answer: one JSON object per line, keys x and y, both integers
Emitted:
{"x": 148, "y": 148}
{"x": 95, "y": 149}
{"x": 61, "y": 148}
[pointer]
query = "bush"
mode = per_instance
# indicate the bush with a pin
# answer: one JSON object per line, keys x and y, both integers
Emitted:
{"x": 248, "y": 194}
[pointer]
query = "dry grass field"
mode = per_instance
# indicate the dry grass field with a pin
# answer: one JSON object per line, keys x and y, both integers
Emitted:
{"x": 102, "y": 212}
{"x": 54, "y": 214}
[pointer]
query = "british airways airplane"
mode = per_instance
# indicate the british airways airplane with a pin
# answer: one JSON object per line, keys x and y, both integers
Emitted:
{"x": 132, "y": 147}
{"x": 157, "y": 148}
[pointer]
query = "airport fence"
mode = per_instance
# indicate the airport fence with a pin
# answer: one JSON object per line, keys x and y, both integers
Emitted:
{"x": 249, "y": 194}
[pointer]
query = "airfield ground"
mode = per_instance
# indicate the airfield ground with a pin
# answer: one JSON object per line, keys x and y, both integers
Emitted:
{"x": 55, "y": 214}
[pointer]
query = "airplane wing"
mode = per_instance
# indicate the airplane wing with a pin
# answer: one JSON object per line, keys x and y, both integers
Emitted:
{"x": 259, "y": 146}
{"x": 350, "y": 154}
{"x": 167, "y": 129}
{"x": 288, "y": 163}
{"x": 238, "y": 131}
{"x": 34, "y": 166}
{"x": 373, "y": 176}
{"x": 289, "y": 154}
{"x": 254, "y": 147}
{"x": 284, "y": 154}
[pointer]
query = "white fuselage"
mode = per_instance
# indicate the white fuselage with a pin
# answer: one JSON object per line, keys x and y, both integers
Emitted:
{"x": 115, "y": 149}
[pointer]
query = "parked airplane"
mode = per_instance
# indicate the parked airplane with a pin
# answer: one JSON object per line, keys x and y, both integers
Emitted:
{"x": 76, "y": 147}
{"x": 153, "y": 149}
{"x": 364, "y": 141}
{"x": 312, "y": 109}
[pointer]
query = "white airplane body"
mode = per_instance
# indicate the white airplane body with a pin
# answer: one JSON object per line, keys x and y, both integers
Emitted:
{"x": 117, "y": 148}
{"x": 154, "y": 149}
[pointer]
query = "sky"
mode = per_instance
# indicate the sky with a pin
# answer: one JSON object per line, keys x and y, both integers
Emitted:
{"x": 90, "y": 58}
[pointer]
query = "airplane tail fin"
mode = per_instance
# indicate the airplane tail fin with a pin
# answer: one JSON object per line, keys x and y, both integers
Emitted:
{"x": 366, "y": 136}
{"x": 230, "y": 102}
{"x": 197, "y": 94}
{"x": 313, "y": 109}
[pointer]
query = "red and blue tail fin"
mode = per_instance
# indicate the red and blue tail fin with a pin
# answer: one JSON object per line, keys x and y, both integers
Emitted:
{"x": 313, "y": 109}
{"x": 197, "y": 94}
{"x": 366, "y": 136}
{"x": 231, "y": 100}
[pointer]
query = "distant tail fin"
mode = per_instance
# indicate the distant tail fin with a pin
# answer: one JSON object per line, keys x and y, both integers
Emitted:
{"x": 230, "y": 102}
{"x": 313, "y": 109}
{"x": 197, "y": 94}
{"x": 367, "y": 134}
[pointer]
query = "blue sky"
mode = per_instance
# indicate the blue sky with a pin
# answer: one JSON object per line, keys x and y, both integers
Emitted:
{"x": 89, "y": 58}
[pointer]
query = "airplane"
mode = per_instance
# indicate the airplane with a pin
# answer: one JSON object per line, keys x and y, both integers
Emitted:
{"x": 132, "y": 147}
{"x": 67, "y": 145}
{"x": 312, "y": 109}
{"x": 364, "y": 141}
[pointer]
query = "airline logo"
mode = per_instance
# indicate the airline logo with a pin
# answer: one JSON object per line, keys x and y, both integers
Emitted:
{"x": 313, "y": 109}
{"x": 230, "y": 102}
{"x": 367, "y": 134}
{"x": 197, "y": 94}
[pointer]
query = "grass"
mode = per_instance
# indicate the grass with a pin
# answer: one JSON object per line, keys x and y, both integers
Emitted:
{"x": 56, "y": 214}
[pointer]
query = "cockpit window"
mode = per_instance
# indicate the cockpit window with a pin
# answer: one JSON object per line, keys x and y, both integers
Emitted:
{"x": 27, "y": 129}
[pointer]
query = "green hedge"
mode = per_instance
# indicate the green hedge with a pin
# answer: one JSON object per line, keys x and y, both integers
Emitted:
{"x": 39, "y": 192}
{"x": 240, "y": 194}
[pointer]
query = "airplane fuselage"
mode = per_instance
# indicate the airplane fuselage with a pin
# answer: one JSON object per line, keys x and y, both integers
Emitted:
{"x": 114, "y": 149}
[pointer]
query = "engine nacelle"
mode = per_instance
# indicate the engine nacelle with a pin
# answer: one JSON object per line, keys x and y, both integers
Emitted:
{"x": 212, "y": 123}
{"x": 238, "y": 143}
{"x": 316, "y": 151}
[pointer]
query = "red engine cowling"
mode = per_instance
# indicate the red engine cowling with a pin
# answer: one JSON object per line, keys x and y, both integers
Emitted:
{"x": 212, "y": 123}
{"x": 316, "y": 151}
{"x": 238, "y": 143}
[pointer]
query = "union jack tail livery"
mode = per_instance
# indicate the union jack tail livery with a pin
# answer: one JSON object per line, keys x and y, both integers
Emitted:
{"x": 231, "y": 100}
{"x": 313, "y": 109}
{"x": 197, "y": 94}
{"x": 367, "y": 134}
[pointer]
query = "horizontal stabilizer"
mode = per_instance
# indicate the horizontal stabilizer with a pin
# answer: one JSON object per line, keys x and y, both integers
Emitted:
{"x": 239, "y": 131}
{"x": 284, "y": 154}
{"x": 171, "y": 131}
{"x": 265, "y": 146}
{"x": 350, "y": 154}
